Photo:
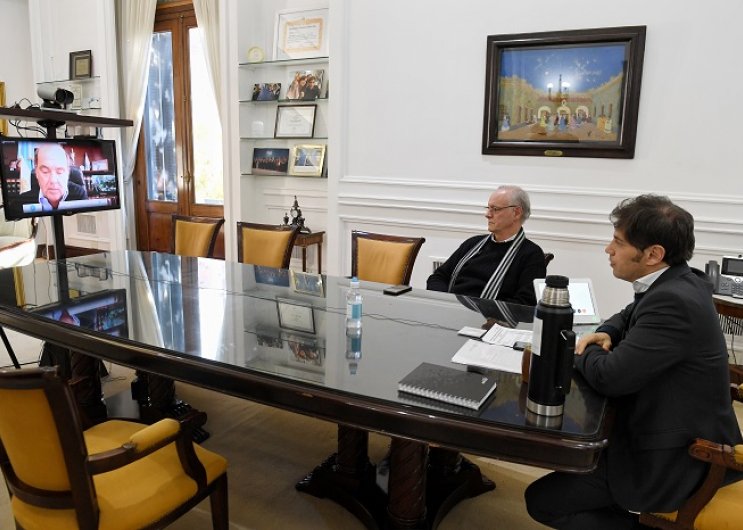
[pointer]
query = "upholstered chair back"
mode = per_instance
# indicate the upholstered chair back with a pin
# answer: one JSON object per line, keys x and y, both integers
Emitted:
{"x": 195, "y": 236}
{"x": 266, "y": 245}
{"x": 383, "y": 258}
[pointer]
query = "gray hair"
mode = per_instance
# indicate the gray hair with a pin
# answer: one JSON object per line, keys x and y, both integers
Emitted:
{"x": 519, "y": 198}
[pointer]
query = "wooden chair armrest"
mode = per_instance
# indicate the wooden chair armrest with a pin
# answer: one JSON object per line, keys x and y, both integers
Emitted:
{"x": 720, "y": 457}
{"x": 141, "y": 444}
{"x": 715, "y": 454}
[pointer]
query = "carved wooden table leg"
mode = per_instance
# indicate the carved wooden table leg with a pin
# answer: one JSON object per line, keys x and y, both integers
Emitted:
{"x": 348, "y": 478}
{"x": 407, "y": 484}
{"x": 157, "y": 400}
{"x": 451, "y": 478}
{"x": 89, "y": 392}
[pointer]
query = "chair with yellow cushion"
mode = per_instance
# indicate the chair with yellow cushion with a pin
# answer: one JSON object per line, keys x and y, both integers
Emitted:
{"x": 115, "y": 475}
{"x": 195, "y": 236}
{"x": 266, "y": 245}
{"x": 384, "y": 258}
{"x": 711, "y": 507}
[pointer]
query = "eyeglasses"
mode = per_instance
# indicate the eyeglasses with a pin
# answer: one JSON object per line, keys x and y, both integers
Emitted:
{"x": 496, "y": 209}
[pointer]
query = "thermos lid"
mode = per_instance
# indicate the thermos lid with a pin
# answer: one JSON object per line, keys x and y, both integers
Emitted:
{"x": 557, "y": 281}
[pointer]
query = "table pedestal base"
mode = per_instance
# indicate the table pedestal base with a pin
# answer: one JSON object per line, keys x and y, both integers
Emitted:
{"x": 414, "y": 488}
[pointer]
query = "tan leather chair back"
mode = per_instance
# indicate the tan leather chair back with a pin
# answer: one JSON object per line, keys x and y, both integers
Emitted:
{"x": 195, "y": 236}
{"x": 384, "y": 258}
{"x": 266, "y": 245}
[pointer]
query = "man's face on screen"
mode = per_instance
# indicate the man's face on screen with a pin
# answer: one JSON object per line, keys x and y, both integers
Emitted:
{"x": 52, "y": 172}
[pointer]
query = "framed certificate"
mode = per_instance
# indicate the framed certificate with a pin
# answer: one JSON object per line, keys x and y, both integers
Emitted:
{"x": 300, "y": 34}
{"x": 296, "y": 315}
{"x": 295, "y": 121}
{"x": 81, "y": 64}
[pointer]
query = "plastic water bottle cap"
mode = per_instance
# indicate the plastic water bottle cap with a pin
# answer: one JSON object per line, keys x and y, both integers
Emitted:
{"x": 354, "y": 282}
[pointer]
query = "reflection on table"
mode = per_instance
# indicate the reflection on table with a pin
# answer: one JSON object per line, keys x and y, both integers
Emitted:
{"x": 218, "y": 325}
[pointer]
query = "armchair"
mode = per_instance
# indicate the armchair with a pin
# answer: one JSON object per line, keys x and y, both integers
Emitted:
{"x": 383, "y": 258}
{"x": 711, "y": 507}
{"x": 116, "y": 474}
{"x": 266, "y": 245}
{"x": 195, "y": 236}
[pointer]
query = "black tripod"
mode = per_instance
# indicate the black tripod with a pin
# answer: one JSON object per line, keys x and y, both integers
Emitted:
{"x": 9, "y": 348}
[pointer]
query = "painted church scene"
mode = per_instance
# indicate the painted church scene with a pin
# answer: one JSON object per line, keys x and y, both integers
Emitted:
{"x": 562, "y": 94}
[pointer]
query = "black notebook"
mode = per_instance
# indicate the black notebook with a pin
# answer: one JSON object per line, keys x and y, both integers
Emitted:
{"x": 466, "y": 389}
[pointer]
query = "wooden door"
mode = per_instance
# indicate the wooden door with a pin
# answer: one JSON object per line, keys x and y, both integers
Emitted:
{"x": 179, "y": 159}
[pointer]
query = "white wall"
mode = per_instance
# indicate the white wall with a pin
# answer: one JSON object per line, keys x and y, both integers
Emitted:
{"x": 412, "y": 80}
{"x": 15, "y": 61}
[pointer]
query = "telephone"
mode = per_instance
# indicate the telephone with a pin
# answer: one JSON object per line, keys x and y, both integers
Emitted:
{"x": 727, "y": 279}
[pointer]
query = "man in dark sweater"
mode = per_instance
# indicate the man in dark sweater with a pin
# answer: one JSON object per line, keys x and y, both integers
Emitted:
{"x": 501, "y": 265}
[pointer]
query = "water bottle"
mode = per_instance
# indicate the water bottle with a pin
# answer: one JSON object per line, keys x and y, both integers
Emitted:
{"x": 552, "y": 349}
{"x": 353, "y": 305}
{"x": 353, "y": 343}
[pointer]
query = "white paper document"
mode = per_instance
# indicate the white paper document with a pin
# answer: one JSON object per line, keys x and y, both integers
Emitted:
{"x": 506, "y": 336}
{"x": 493, "y": 356}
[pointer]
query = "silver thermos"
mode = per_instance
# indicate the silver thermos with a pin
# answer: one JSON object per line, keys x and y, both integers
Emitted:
{"x": 552, "y": 350}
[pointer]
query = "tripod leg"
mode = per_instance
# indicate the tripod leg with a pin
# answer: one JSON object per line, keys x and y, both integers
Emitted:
{"x": 9, "y": 348}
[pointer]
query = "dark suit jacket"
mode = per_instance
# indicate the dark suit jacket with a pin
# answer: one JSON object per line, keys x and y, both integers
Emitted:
{"x": 668, "y": 373}
{"x": 75, "y": 192}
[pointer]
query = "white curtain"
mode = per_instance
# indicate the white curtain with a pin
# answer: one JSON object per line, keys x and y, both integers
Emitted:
{"x": 207, "y": 17}
{"x": 134, "y": 24}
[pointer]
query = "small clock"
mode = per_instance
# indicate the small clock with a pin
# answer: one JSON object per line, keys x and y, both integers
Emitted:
{"x": 256, "y": 54}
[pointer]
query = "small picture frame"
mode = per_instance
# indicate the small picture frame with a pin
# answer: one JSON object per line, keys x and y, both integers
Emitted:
{"x": 296, "y": 315}
{"x": 305, "y": 85}
{"x": 270, "y": 161}
{"x": 81, "y": 64}
{"x": 307, "y": 160}
{"x": 295, "y": 121}
{"x": 266, "y": 91}
{"x": 307, "y": 283}
{"x": 99, "y": 165}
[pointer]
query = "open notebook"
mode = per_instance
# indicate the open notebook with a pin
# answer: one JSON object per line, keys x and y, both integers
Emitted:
{"x": 582, "y": 298}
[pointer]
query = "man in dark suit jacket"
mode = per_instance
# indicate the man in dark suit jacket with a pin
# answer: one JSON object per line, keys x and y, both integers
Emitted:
{"x": 501, "y": 265}
{"x": 52, "y": 171}
{"x": 663, "y": 359}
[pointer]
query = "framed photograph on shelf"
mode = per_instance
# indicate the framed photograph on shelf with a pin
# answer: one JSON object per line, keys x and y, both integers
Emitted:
{"x": 295, "y": 121}
{"x": 81, "y": 64}
{"x": 99, "y": 165}
{"x": 270, "y": 161}
{"x": 307, "y": 283}
{"x": 296, "y": 315}
{"x": 301, "y": 34}
{"x": 266, "y": 91}
{"x": 564, "y": 93}
{"x": 307, "y": 160}
{"x": 269, "y": 338}
{"x": 305, "y": 85}
{"x": 304, "y": 350}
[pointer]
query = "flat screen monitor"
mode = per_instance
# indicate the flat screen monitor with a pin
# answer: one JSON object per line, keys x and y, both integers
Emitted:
{"x": 582, "y": 298}
{"x": 60, "y": 176}
{"x": 104, "y": 311}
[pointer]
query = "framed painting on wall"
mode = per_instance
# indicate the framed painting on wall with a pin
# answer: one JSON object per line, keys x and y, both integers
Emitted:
{"x": 564, "y": 93}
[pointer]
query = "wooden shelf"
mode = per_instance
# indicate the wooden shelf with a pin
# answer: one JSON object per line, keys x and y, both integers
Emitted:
{"x": 62, "y": 117}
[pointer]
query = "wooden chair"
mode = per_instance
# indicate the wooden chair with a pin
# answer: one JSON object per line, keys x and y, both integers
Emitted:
{"x": 711, "y": 507}
{"x": 266, "y": 245}
{"x": 195, "y": 236}
{"x": 17, "y": 248}
{"x": 117, "y": 474}
{"x": 383, "y": 258}
{"x": 548, "y": 256}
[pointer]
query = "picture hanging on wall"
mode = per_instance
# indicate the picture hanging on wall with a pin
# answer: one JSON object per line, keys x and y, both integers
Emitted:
{"x": 301, "y": 34}
{"x": 564, "y": 93}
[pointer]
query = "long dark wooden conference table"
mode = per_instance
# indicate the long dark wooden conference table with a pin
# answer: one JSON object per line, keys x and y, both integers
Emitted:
{"x": 258, "y": 334}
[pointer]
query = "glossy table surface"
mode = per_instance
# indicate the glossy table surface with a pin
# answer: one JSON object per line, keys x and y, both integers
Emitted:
{"x": 228, "y": 327}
